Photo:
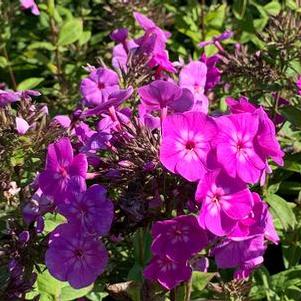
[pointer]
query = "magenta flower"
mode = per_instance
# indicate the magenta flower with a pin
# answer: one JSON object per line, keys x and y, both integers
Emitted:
{"x": 63, "y": 120}
{"x": 75, "y": 257}
{"x": 162, "y": 94}
{"x": 7, "y": 97}
{"x": 225, "y": 201}
{"x": 235, "y": 147}
{"x": 186, "y": 141}
{"x": 178, "y": 238}
{"x": 30, "y": 4}
{"x": 169, "y": 273}
{"x": 63, "y": 171}
{"x": 193, "y": 77}
{"x": 265, "y": 140}
{"x": 97, "y": 87}
{"x": 240, "y": 254}
{"x": 91, "y": 209}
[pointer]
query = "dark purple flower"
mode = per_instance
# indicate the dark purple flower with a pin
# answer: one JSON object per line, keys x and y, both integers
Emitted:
{"x": 74, "y": 256}
{"x": 63, "y": 171}
{"x": 119, "y": 35}
{"x": 169, "y": 273}
{"x": 178, "y": 238}
{"x": 91, "y": 209}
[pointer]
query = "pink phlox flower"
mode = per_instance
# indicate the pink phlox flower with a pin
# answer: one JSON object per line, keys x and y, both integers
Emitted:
{"x": 186, "y": 141}
{"x": 30, "y": 4}
{"x": 225, "y": 201}
{"x": 193, "y": 77}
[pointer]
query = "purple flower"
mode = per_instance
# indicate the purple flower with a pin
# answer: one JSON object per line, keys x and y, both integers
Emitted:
{"x": 91, "y": 209}
{"x": 213, "y": 73}
{"x": 235, "y": 145}
{"x": 223, "y": 36}
{"x": 30, "y": 4}
{"x": 97, "y": 87}
{"x": 22, "y": 126}
{"x": 120, "y": 54}
{"x": 162, "y": 94}
{"x": 119, "y": 35}
{"x": 193, "y": 77}
{"x": 74, "y": 256}
{"x": 186, "y": 142}
{"x": 225, "y": 201}
{"x": 36, "y": 207}
{"x": 178, "y": 238}
{"x": 169, "y": 273}
{"x": 238, "y": 254}
{"x": 7, "y": 97}
{"x": 63, "y": 171}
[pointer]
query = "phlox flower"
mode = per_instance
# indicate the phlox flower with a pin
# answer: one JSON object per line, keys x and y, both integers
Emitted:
{"x": 178, "y": 238}
{"x": 169, "y": 273}
{"x": 90, "y": 209}
{"x": 186, "y": 141}
{"x": 265, "y": 139}
{"x": 243, "y": 255}
{"x": 74, "y": 256}
{"x": 223, "y": 36}
{"x": 120, "y": 54}
{"x": 213, "y": 73}
{"x": 119, "y": 35}
{"x": 7, "y": 97}
{"x": 193, "y": 77}
{"x": 161, "y": 94}
{"x": 236, "y": 149}
{"x": 30, "y": 4}
{"x": 63, "y": 171}
{"x": 97, "y": 87}
{"x": 225, "y": 201}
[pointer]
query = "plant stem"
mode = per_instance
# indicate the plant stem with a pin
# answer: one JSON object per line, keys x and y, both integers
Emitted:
{"x": 10, "y": 70}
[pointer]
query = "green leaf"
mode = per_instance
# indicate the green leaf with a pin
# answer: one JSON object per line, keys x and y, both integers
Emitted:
{"x": 282, "y": 210}
{"x": 239, "y": 8}
{"x": 30, "y": 83}
{"x": 41, "y": 45}
{"x": 3, "y": 62}
{"x": 216, "y": 16}
{"x": 52, "y": 221}
{"x": 84, "y": 38}
{"x": 70, "y": 32}
{"x": 273, "y": 8}
{"x": 292, "y": 114}
{"x": 68, "y": 293}
{"x": 200, "y": 280}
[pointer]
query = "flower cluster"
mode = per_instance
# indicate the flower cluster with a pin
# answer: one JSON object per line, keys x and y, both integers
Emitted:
{"x": 142, "y": 134}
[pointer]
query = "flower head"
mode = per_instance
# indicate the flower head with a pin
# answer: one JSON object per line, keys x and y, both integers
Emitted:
{"x": 63, "y": 171}
{"x": 186, "y": 141}
{"x": 97, "y": 87}
{"x": 225, "y": 201}
{"x": 90, "y": 209}
{"x": 178, "y": 238}
{"x": 161, "y": 94}
{"x": 169, "y": 273}
{"x": 7, "y": 97}
{"x": 236, "y": 149}
{"x": 74, "y": 256}
{"x": 193, "y": 77}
